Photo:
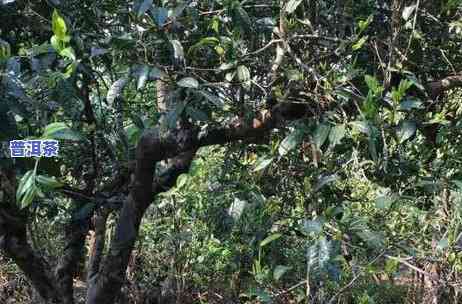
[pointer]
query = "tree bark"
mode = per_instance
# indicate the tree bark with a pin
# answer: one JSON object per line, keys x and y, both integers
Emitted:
{"x": 97, "y": 247}
{"x": 13, "y": 241}
{"x": 104, "y": 288}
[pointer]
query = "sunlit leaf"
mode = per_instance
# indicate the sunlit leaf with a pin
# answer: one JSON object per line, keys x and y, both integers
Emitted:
{"x": 47, "y": 181}
{"x": 58, "y": 25}
{"x": 25, "y": 182}
{"x": 359, "y": 44}
{"x": 237, "y": 208}
{"x": 406, "y": 130}
{"x": 269, "y": 239}
{"x": 116, "y": 89}
{"x": 314, "y": 226}
{"x": 337, "y": 133}
{"x": 178, "y": 51}
{"x": 181, "y": 181}
{"x": 188, "y": 82}
{"x": 262, "y": 163}
{"x": 59, "y": 130}
{"x": 408, "y": 10}
{"x": 243, "y": 73}
{"x": 68, "y": 53}
{"x": 292, "y": 5}
{"x": 290, "y": 142}
{"x": 279, "y": 271}
{"x": 143, "y": 75}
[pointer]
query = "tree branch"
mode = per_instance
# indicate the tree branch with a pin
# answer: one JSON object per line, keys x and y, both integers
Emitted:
{"x": 438, "y": 87}
{"x": 112, "y": 273}
{"x": 13, "y": 241}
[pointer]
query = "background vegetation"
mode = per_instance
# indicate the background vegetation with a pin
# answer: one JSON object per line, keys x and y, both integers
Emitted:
{"x": 225, "y": 151}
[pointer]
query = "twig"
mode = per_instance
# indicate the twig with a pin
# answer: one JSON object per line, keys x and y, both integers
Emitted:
{"x": 404, "y": 262}
{"x": 347, "y": 286}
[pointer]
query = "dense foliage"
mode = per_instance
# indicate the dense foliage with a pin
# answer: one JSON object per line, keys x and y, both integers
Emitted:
{"x": 225, "y": 151}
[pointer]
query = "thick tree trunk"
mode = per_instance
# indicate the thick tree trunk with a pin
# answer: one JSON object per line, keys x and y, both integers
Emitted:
{"x": 13, "y": 241}
{"x": 104, "y": 287}
{"x": 97, "y": 245}
{"x": 35, "y": 268}
{"x": 67, "y": 267}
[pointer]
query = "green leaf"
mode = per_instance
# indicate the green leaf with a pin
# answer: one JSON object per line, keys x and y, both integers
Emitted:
{"x": 243, "y": 73}
{"x": 321, "y": 134}
{"x": 363, "y": 24}
{"x": 290, "y": 142}
{"x": 58, "y": 25}
{"x": 25, "y": 182}
{"x": 269, "y": 239}
{"x": 408, "y": 10}
{"x": 310, "y": 226}
{"x": 442, "y": 244}
{"x": 361, "y": 126}
{"x": 262, "y": 163}
{"x": 70, "y": 69}
{"x": 177, "y": 11}
{"x": 142, "y": 6}
{"x": 227, "y": 66}
{"x": 324, "y": 180}
{"x": 385, "y": 202}
{"x": 337, "y": 134}
{"x": 406, "y": 130}
{"x": 5, "y": 50}
{"x": 458, "y": 183}
{"x": 173, "y": 115}
{"x": 373, "y": 84}
{"x": 49, "y": 182}
{"x": 207, "y": 41}
{"x": 212, "y": 98}
{"x": 292, "y": 5}
{"x": 391, "y": 266}
{"x": 124, "y": 41}
{"x": 28, "y": 196}
{"x": 279, "y": 271}
{"x": 143, "y": 75}
{"x": 215, "y": 24}
{"x": 68, "y": 53}
{"x": 409, "y": 104}
{"x": 413, "y": 79}
{"x": 116, "y": 89}
{"x": 133, "y": 133}
{"x": 155, "y": 73}
{"x": 263, "y": 296}
{"x": 27, "y": 190}
{"x": 242, "y": 18}
{"x": 56, "y": 43}
{"x": 178, "y": 51}
{"x": 181, "y": 181}
{"x": 359, "y": 44}
{"x": 160, "y": 15}
{"x": 59, "y": 130}
{"x": 188, "y": 82}
{"x": 372, "y": 238}
{"x": 370, "y": 107}
{"x": 373, "y": 141}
